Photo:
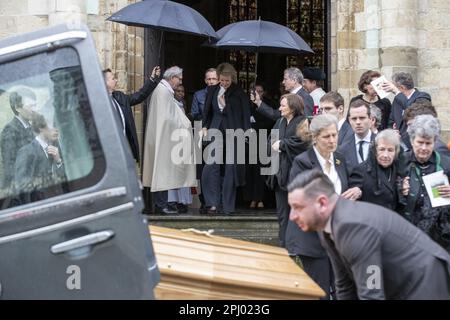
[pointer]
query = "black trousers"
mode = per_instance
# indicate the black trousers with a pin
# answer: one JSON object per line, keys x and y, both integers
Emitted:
{"x": 283, "y": 210}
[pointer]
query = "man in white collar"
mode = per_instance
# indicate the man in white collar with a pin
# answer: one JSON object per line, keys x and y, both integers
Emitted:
{"x": 362, "y": 242}
{"x": 169, "y": 148}
{"x": 292, "y": 81}
{"x": 17, "y": 132}
{"x": 39, "y": 164}
{"x": 356, "y": 146}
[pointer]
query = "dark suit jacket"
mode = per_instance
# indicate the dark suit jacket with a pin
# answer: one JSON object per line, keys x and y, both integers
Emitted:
{"x": 235, "y": 115}
{"x": 348, "y": 149}
{"x": 373, "y": 243}
{"x": 345, "y": 132}
{"x": 126, "y": 101}
{"x": 400, "y": 104}
{"x": 307, "y": 101}
{"x": 268, "y": 112}
{"x": 299, "y": 242}
{"x": 35, "y": 172}
{"x": 13, "y": 137}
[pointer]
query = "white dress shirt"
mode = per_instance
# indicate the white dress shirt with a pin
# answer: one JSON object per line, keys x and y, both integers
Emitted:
{"x": 316, "y": 94}
{"x": 333, "y": 175}
{"x": 365, "y": 146}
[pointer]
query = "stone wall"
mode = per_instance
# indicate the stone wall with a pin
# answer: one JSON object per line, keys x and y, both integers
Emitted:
{"x": 391, "y": 36}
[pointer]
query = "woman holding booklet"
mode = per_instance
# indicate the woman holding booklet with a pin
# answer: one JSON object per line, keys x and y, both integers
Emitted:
{"x": 371, "y": 96}
{"x": 423, "y": 161}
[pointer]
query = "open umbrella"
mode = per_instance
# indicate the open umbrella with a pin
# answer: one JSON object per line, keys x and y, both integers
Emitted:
{"x": 260, "y": 36}
{"x": 165, "y": 16}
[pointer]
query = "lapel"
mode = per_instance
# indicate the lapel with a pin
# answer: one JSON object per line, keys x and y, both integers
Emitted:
{"x": 350, "y": 150}
{"x": 313, "y": 159}
{"x": 339, "y": 164}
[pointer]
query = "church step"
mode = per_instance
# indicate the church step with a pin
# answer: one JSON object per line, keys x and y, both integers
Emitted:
{"x": 260, "y": 227}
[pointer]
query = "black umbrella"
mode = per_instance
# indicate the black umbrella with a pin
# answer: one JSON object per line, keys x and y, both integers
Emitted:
{"x": 260, "y": 36}
{"x": 165, "y": 16}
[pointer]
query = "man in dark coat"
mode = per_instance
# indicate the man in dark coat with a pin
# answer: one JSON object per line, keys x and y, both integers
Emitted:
{"x": 292, "y": 81}
{"x": 356, "y": 146}
{"x": 122, "y": 104}
{"x": 39, "y": 164}
{"x": 375, "y": 253}
{"x": 402, "y": 86}
{"x": 333, "y": 103}
{"x": 17, "y": 132}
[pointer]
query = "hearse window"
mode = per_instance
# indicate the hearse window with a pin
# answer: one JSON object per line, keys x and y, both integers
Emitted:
{"x": 48, "y": 139}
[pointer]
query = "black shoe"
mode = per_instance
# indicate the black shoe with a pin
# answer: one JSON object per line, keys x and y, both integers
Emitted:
{"x": 182, "y": 208}
{"x": 165, "y": 210}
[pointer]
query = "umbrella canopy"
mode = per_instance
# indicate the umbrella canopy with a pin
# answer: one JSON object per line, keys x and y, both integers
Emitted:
{"x": 260, "y": 36}
{"x": 166, "y": 16}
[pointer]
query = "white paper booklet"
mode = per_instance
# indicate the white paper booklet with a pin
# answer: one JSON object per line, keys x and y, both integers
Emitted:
{"x": 376, "y": 84}
{"x": 432, "y": 181}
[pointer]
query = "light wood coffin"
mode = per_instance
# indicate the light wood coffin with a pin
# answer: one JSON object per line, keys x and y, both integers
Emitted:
{"x": 199, "y": 266}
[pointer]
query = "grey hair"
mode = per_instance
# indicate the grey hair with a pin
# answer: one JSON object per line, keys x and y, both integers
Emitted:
{"x": 403, "y": 78}
{"x": 172, "y": 72}
{"x": 375, "y": 112}
{"x": 320, "y": 122}
{"x": 391, "y": 136}
{"x": 424, "y": 126}
{"x": 313, "y": 182}
{"x": 294, "y": 74}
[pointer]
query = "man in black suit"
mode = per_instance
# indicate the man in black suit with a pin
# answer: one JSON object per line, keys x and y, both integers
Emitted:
{"x": 17, "y": 132}
{"x": 333, "y": 103}
{"x": 292, "y": 81}
{"x": 39, "y": 164}
{"x": 122, "y": 104}
{"x": 402, "y": 86}
{"x": 356, "y": 147}
{"x": 375, "y": 253}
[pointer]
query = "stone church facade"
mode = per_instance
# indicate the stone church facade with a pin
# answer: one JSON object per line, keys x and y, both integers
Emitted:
{"x": 385, "y": 35}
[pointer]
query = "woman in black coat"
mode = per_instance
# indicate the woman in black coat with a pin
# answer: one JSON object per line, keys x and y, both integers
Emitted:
{"x": 289, "y": 144}
{"x": 226, "y": 107}
{"x": 370, "y": 96}
{"x": 322, "y": 155}
{"x": 379, "y": 176}
{"x": 422, "y": 161}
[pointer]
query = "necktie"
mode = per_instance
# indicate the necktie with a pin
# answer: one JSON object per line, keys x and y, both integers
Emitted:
{"x": 360, "y": 150}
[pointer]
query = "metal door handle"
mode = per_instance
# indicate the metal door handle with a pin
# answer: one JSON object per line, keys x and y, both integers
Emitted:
{"x": 84, "y": 241}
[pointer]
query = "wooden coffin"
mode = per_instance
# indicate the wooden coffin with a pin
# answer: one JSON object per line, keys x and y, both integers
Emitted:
{"x": 200, "y": 266}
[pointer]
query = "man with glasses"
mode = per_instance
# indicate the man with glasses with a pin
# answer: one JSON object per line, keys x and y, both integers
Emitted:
{"x": 17, "y": 133}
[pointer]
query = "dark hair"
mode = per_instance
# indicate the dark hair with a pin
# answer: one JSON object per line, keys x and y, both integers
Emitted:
{"x": 16, "y": 98}
{"x": 295, "y": 103}
{"x": 333, "y": 97}
{"x": 105, "y": 71}
{"x": 359, "y": 103}
{"x": 38, "y": 122}
{"x": 313, "y": 182}
{"x": 419, "y": 108}
{"x": 366, "y": 79}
